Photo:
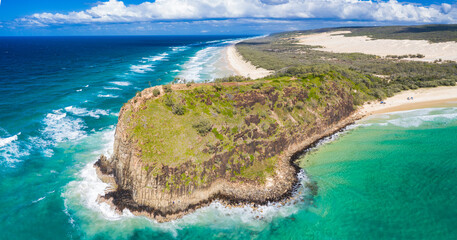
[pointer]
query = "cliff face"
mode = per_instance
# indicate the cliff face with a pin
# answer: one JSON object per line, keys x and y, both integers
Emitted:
{"x": 245, "y": 155}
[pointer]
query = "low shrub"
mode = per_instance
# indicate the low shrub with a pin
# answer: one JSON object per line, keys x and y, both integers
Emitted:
{"x": 257, "y": 85}
{"x": 178, "y": 109}
{"x": 203, "y": 127}
{"x": 168, "y": 100}
{"x": 167, "y": 88}
{"x": 156, "y": 92}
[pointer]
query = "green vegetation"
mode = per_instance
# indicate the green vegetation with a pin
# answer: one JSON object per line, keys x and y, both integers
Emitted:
{"x": 178, "y": 109}
{"x": 167, "y": 88}
{"x": 156, "y": 92}
{"x": 281, "y": 53}
{"x": 237, "y": 128}
{"x": 194, "y": 124}
{"x": 203, "y": 127}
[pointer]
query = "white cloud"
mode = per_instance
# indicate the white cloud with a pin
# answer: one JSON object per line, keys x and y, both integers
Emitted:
{"x": 115, "y": 11}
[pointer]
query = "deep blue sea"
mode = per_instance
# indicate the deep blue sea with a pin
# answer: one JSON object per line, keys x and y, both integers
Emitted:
{"x": 392, "y": 176}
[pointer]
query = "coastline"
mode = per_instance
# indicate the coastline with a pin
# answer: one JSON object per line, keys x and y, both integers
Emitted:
{"x": 276, "y": 189}
{"x": 422, "y": 98}
{"x": 242, "y": 67}
{"x": 280, "y": 187}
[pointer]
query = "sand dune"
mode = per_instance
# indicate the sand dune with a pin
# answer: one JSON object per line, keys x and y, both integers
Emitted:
{"x": 336, "y": 42}
{"x": 242, "y": 67}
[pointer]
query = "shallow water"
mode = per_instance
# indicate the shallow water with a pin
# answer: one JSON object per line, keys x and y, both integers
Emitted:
{"x": 392, "y": 176}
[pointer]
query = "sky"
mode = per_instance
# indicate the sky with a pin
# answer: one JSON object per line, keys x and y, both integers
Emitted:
{"x": 214, "y": 17}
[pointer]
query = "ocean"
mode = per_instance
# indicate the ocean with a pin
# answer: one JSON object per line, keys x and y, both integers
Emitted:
{"x": 392, "y": 176}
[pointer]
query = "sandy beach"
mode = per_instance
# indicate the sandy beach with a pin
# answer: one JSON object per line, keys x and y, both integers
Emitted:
{"x": 242, "y": 67}
{"x": 337, "y": 42}
{"x": 421, "y": 98}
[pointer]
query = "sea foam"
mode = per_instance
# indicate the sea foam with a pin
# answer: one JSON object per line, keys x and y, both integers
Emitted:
{"x": 59, "y": 127}
{"x": 122, "y": 83}
{"x": 203, "y": 65}
{"x": 111, "y": 88}
{"x": 107, "y": 96}
{"x": 83, "y": 112}
{"x": 8, "y": 140}
{"x": 12, "y": 150}
{"x": 141, "y": 68}
{"x": 89, "y": 187}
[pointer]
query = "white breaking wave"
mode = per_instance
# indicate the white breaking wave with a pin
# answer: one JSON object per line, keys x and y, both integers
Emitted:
{"x": 141, "y": 68}
{"x": 39, "y": 199}
{"x": 83, "y": 112}
{"x": 204, "y": 65}
{"x": 111, "y": 88}
{"x": 122, "y": 83}
{"x": 11, "y": 150}
{"x": 89, "y": 186}
{"x": 179, "y": 49}
{"x": 107, "y": 96}
{"x": 159, "y": 57}
{"x": 8, "y": 140}
{"x": 59, "y": 127}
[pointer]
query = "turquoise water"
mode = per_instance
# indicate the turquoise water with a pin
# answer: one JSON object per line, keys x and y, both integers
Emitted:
{"x": 392, "y": 177}
{"x": 389, "y": 177}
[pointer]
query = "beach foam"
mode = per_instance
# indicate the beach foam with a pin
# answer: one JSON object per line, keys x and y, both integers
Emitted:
{"x": 414, "y": 118}
{"x": 208, "y": 63}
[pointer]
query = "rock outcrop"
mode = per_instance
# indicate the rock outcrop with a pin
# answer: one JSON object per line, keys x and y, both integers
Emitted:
{"x": 167, "y": 191}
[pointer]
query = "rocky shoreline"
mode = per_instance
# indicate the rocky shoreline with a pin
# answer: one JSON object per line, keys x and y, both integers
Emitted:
{"x": 279, "y": 189}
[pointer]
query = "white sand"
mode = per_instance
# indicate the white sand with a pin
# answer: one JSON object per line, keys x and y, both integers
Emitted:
{"x": 422, "y": 98}
{"x": 336, "y": 42}
{"x": 242, "y": 67}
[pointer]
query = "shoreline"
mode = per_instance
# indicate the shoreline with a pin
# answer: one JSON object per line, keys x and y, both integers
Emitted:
{"x": 242, "y": 67}
{"x": 280, "y": 187}
{"x": 422, "y": 98}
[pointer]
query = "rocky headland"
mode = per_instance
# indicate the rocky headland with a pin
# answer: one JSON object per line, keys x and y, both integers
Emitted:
{"x": 179, "y": 147}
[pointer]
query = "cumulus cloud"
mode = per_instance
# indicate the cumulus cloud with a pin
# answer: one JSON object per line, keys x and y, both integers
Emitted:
{"x": 115, "y": 11}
